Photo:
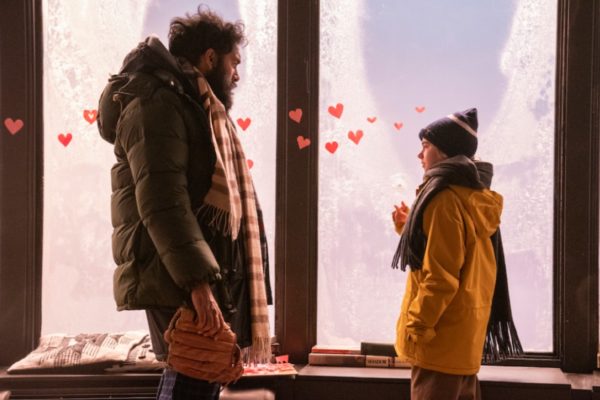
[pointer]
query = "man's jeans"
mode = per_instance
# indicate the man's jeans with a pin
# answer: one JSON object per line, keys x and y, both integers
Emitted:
{"x": 175, "y": 386}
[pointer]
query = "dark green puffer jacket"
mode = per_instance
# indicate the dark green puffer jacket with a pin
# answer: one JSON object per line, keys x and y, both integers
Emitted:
{"x": 165, "y": 159}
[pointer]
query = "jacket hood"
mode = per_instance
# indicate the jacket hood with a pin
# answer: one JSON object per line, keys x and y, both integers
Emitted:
{"x": 485, "y": 171}
{"x": 150, "y": 55}
{"x": 147, "y": 67}
{"x": 472, "y": 182}
{"x": 484, "y": 207}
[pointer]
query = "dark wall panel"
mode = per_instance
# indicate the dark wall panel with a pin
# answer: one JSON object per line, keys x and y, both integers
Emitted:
{"x": 21, "y": 161}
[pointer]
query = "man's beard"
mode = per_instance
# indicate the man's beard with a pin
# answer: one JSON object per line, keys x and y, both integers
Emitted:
{"x": 223, "y": 91}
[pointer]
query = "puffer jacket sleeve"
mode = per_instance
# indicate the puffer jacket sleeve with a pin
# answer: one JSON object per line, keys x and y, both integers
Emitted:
{"x": 154, "y": 137}
{"x": 444, "y": 257}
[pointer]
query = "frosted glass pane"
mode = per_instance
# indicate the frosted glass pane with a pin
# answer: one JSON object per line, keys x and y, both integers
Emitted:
{"x": 83, "y": 44}
{"x": 395, "y": 66}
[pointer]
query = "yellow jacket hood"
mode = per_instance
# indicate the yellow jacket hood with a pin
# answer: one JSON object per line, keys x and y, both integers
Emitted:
{"x": 483, "y": 206}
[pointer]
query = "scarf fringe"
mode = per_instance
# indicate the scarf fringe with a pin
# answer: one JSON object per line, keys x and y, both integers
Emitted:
{"x": 219, "y": 220}
{"x": 501, "y": 342}
{"x": 258, "y": 353}
{"x": 397, "y": 256}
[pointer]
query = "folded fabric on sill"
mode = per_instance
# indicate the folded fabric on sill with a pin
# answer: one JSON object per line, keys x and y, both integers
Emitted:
{"x": 90, "y": 353}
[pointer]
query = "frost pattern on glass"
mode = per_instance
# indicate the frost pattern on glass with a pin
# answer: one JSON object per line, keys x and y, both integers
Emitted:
{"x": 384, "y": 59}
{"x": 357, "y": 185}
{"x": 521, "y": 142}
{"x": 256, "y": 97}
{"x": 82, "y": 46}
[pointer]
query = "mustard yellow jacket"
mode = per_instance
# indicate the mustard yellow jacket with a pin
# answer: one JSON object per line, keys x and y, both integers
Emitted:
{"x": 446, "y": 306}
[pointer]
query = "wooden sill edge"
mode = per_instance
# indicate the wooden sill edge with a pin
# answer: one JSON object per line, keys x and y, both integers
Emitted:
{"x": 488, "y": 375}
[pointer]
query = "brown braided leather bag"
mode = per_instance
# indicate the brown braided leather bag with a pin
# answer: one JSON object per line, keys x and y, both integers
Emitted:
{"x": 214, "y": 359}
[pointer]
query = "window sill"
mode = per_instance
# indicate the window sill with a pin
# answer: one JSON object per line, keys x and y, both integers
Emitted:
{"x": 487, "y": 374}
{"x": 497, "y": 382}
{"x": 316, "y": 382}
{"x": 112, "y": 385}
{"x": 80, "y": 385}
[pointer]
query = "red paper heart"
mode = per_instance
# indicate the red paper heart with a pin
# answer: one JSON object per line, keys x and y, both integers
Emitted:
{"x": 355, "y": 137}
{"x": 90, "y": 115}
{"x": 420, "y": 109}
{"x": 331, "y": 146}
{"x": 372, "y": 119}
{"x": 244, "y": 123}
{"x": 302, "y": 142}
{"x": 250, "y": 163}
{"x": 398, "y": 125}
{"x": 337, "y": 110}
{"x": 65, "y": 139}
{"x": 13, "y": 126}
{"x": 296, "y": 115}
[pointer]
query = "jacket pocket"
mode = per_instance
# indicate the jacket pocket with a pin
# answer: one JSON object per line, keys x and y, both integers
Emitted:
{"x": 410, "y": 346}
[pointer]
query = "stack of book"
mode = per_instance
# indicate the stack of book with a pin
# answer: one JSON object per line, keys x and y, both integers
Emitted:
{"x": 369, "y": 354}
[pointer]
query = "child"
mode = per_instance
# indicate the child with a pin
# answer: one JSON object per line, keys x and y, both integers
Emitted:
{"x": 445, "y": 239}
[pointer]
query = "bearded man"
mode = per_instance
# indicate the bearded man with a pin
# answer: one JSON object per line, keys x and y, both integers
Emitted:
{"x": 187, "y": 225}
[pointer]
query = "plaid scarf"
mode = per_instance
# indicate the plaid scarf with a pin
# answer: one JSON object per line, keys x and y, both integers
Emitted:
{"x": 231, "y": 205}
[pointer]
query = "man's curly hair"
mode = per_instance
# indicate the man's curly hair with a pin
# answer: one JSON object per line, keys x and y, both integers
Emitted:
{"x": 192, "y": 35}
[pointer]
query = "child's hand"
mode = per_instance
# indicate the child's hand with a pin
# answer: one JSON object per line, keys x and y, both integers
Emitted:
{"x": 399, "y": 215}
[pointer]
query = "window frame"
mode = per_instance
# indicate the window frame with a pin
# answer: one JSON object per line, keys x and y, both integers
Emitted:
{"x": 576, "y": 185}
{"x": 575, "y": 298}
{"x": 21, "y": 170}
{"x": 575, "y": 202}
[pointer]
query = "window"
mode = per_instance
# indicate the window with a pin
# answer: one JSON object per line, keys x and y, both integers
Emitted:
{"x": 574, "y": 203}
{"x": 78, "y": 263}
{"x": 392, "y": 68}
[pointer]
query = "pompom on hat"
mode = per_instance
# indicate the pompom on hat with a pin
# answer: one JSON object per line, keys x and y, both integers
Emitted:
{"x": 455, "y": 134}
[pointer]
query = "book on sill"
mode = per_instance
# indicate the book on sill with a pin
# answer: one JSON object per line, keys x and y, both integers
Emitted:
{"x": 365, "y": 348}
{"x": 355, "y": 360}
{"x": 385, "y": 362}
{"x": 335, "y": 349}
{"x": 377, "y": 349}
{"x": 337, "y": 360}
